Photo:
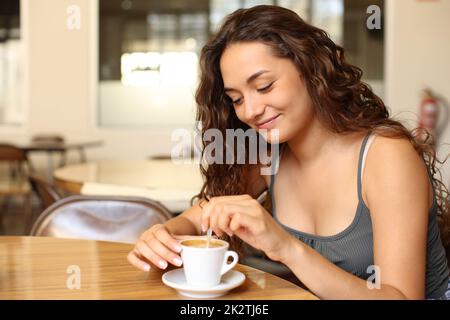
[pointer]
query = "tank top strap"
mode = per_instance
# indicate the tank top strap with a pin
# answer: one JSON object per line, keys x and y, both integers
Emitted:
{"x": 430, "y": 178}
{"x": 361, "y": 161}
{"x": 275, "y": 159}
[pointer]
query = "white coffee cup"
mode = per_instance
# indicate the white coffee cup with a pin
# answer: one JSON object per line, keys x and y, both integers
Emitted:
{"x": 204, "y": 267}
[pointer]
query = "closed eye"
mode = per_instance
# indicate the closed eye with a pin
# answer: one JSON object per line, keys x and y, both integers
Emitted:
{"x": 266, "y": 88}
{"x": 237, "y": 102}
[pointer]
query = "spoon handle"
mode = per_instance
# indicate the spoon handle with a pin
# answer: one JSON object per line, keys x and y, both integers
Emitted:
{"x": 208, "y": 238}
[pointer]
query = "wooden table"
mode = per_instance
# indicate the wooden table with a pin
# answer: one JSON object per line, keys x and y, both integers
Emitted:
{"x": 173, "y": 184}
{"x": 41, "y": 268}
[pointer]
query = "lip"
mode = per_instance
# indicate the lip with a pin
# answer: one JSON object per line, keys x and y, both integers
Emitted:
{"x": 267, "y": 123}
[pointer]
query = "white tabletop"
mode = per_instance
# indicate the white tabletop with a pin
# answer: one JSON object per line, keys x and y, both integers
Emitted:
{"x": 171, "y": 183}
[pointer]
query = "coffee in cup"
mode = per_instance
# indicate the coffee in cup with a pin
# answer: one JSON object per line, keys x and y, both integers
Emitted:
{"x": 203, "y": 243}
{"x": 204, "y": 266}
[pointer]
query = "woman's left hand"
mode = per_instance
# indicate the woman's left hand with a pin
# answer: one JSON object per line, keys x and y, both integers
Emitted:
{"x": 244, "y": 217}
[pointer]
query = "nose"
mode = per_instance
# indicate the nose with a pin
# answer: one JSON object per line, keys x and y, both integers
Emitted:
{"x": 253, "y": 109}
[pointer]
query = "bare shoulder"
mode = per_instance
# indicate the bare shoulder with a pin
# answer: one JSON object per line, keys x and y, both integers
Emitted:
{"x": 399, "y": 149}
{"x": 394, "y": 166}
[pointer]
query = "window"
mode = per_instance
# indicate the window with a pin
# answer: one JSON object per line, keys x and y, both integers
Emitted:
{"x": 149, "y": 51}
{"x": 364, "y": 47}
{"x": 149, "y": 61}
{"x": 11, "y": 68}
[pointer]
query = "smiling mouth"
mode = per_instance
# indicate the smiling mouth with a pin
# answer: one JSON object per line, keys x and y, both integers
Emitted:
{"x": 267, "y": 123}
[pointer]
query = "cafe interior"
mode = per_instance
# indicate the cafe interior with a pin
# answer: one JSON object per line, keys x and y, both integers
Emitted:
{"x": 95, "y": 96}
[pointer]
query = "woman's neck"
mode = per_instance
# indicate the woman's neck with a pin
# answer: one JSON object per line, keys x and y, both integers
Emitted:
{"x": 312, "y": 143}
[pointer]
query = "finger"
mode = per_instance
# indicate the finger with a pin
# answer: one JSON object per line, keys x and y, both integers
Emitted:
{"x": 215, "y": 214}
{"x": 242, "y": 220}
{"x": 167, "y": 239}
{"x": 219, "y": 213}
{"x": 145, "y": 251}
{"x": 223, "y": 223}
{"x": 221, "y": 216}
{"x": 206, "y": 213}
{"x": 138, "y": 263}
{"x": 208, "y": 207}
{"x": 165, "y": 253}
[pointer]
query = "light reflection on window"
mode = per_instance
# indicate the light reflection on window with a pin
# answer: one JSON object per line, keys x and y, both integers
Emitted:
{"x": 154, "y": 68}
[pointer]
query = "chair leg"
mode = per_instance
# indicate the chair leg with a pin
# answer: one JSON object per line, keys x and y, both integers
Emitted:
{"x": 62, "y": 159}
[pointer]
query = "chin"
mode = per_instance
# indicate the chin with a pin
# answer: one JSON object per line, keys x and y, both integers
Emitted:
{"x": 273, "y": 136}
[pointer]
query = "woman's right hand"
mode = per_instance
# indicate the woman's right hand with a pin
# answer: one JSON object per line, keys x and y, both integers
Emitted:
{"x": 157, "y": 246}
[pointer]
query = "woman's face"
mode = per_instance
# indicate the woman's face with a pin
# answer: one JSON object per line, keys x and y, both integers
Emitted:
{"x": 267, "y": 91}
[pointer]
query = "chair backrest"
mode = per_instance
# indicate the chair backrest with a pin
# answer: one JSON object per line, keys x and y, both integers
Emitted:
{"x": 47, "y": 193}
{"x": 16, "y": 160}
{"x": 108, "y": 218}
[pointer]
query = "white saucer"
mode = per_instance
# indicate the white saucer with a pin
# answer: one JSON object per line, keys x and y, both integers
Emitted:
{"x": 176, "y": 279}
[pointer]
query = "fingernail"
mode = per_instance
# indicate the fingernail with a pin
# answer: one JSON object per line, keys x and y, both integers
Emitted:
{"x": 178, "y": 261}
{"x": 177, "y": 248}
{"x": 162, "y": 264}
{"x": 146, "y": 267}
{"x": 203, "y": 228}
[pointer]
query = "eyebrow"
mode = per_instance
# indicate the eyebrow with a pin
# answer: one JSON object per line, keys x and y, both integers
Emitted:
{"x": 250, "y": 79}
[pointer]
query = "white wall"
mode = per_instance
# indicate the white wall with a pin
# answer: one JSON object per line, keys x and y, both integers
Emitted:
{"x": 417, "y": 55}
{"x": 62, "y": 70}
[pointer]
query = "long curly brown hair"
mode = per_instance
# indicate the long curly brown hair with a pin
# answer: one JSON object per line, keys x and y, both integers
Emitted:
{"x": 342, "y": 102}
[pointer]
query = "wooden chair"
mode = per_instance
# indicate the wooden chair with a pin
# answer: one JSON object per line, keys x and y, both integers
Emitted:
{"x": 46, "y": 192}
{"x": 13, "y": 180}
{"x": 107, "y": 218}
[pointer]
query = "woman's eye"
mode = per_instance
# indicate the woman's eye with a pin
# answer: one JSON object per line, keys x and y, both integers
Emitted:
{"x": 266, "y": 88}
{"x": 237, "y": 101}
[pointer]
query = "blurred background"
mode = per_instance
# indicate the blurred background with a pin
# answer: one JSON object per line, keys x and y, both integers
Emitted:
{"x": 88, "y": 82}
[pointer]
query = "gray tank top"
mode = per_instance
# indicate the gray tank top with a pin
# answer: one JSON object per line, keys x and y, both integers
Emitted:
{"x": 352, "y": 249}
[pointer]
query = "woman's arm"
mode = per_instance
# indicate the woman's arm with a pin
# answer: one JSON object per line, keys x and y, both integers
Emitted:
{"x": 186, "y": 223}
{"x": 396, "y": 186}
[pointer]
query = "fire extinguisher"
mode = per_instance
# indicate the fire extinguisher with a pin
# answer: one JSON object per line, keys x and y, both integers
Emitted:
{"x": 428, "y": 115}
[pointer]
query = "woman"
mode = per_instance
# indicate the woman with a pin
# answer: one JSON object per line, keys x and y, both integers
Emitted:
{"x": 268, "y": 69}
